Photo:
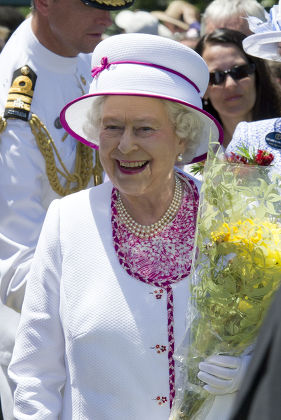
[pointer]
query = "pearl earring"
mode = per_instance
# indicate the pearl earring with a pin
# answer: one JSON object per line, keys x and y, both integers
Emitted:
{"x": 180, "y": 157}
{"x": 206, "y": 101}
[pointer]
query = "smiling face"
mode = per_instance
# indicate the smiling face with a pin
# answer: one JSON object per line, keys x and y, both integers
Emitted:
{"x": 138, "y": 145}
{"x": 68, "y": 27}
{"x": 233, "y": 99}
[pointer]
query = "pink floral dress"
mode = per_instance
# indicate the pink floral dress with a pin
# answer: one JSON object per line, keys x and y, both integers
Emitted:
{"x": 163, "y": 259}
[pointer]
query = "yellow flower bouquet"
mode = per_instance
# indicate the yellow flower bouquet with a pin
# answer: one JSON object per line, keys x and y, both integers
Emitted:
{"x": 236, "y": 270}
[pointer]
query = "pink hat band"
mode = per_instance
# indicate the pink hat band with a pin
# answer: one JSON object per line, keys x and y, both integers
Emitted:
{"x": 105, "y": 64}
{"x": 140, "y": 64}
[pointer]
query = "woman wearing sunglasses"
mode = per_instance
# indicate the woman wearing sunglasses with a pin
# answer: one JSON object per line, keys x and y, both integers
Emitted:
{"x": 241, "y": 87}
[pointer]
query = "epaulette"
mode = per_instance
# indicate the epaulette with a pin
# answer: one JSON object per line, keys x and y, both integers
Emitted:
{"x": 20, "y": 94}
{"x": 18, "y": 107}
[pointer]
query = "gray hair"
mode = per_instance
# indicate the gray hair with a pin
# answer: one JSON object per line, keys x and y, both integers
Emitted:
{"x": 187, "y": 124}
{"x": 219, "y": 10}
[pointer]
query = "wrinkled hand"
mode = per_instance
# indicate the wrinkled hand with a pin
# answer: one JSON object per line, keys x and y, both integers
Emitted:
{"x": 223, "y": 374}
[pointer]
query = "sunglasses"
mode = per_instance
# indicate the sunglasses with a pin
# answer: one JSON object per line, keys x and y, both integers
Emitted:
{"x": 238, "y": 72}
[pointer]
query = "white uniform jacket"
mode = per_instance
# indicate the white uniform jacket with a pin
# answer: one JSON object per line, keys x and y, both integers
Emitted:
{"x": 89, "y": 326}
{"x": 25, "y": 192}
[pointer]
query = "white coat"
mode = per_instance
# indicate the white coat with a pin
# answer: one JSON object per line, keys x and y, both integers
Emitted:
{"x": 25, "y": 192}
{"x": 90, "y": 327}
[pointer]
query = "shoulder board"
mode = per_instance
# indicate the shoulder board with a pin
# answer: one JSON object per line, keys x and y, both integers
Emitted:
{"x": 20, "y": 94}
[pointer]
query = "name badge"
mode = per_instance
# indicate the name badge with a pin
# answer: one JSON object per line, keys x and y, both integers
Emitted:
{"x": 274, "y": 139}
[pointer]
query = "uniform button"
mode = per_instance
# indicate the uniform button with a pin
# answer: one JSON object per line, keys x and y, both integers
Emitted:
{"x": 57, "y": 123}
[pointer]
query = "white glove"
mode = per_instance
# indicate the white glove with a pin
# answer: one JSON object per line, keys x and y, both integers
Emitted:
{"x": 223, "y": 374}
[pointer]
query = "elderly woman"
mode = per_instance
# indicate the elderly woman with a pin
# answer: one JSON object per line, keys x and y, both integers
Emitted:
{"x": 107, "y": 292}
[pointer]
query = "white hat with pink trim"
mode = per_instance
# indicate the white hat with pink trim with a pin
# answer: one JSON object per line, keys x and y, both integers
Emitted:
{"x": 145, "y": 65}
{"x": 266, "y": 41}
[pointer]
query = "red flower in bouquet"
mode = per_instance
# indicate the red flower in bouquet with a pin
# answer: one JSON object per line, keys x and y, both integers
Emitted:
{"x": 262, "y": 157}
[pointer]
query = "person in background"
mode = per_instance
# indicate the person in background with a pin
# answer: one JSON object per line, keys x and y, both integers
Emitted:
{"x": 137, "y": 21}
{"x": 241, "y": 87}
{"x": 108, "y": 287}
{"x": 191, "y": 36}
{"x": 10, "y": 19}
{"x": 41, "y": 69}
{"x": 230, "y": 14}
{"x": 265, "y": 44}
{"x": 4, "y": 35}
{"x": 178, "y": 18}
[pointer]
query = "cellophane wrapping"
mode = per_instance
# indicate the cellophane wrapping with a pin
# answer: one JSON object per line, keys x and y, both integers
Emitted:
{"x": 235, "y": 272}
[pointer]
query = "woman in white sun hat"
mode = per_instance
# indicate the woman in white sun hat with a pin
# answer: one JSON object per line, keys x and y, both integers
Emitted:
{"x": 264, "y": 43}
{"x": 107, "y": 292}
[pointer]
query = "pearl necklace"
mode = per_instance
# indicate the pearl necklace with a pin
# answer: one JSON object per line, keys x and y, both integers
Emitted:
{"x": 145, "y": 231}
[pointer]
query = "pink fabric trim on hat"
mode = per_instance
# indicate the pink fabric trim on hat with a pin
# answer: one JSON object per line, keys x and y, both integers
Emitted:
{"x": 105, "y": 65}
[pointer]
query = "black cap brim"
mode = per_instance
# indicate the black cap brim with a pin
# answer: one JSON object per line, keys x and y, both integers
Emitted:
{"x": 97, "y": 5}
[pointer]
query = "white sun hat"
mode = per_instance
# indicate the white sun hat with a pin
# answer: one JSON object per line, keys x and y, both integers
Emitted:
{"x": 264, "y": 43}
{"x": 145, "y": 65}
{"x": 137, "y": 21}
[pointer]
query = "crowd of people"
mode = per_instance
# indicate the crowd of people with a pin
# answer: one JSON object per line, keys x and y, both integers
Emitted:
{"x": 98, "y": 211}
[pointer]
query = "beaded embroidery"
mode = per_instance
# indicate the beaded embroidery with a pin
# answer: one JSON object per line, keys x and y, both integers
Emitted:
{"x": 163, "y": 259}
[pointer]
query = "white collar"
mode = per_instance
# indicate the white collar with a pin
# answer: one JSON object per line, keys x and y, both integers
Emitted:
{"x": 52, "y": 61}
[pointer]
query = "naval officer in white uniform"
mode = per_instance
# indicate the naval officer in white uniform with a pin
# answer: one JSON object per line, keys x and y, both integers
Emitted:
{"x": 44, "y": 65}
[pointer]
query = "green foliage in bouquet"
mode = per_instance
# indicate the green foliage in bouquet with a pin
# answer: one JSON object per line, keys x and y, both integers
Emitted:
{"x": 236, "y": 271}
{"x": 197, "y": 168}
